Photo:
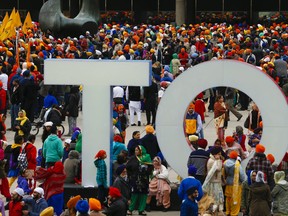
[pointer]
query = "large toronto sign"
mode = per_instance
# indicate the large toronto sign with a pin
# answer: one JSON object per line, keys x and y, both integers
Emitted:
{"x": 97, "y": 77}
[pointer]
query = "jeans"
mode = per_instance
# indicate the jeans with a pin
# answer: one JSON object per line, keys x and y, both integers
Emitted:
{"x": 72, "y": 122}
{"x": 14, "y": 113}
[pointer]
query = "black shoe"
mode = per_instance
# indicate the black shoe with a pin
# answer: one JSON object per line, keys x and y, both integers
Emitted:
{"x": 148, "y": 209}
{"x": 133, "y": 124}
{"x": 139, "y": 123}
{"x": 142, "y": 213}
{"x": 165, "y": 209}
{"x": 239, "y": 118}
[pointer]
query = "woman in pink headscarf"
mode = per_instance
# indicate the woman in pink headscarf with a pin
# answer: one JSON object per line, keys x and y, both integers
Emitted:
{"x": 159, "y": 185}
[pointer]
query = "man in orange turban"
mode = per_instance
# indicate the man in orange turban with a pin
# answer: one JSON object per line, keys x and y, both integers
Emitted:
{"x": 259, "y": 162}
{"x": 193, "y": 122}
{"x": 234, "y": 176}
{"x": 233, "y": 146}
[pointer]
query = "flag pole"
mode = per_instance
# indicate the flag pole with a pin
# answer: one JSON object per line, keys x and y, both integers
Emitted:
{"x": 17, "y": 50}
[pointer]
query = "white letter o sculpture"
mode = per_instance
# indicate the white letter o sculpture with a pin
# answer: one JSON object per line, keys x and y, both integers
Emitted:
{"x": 247, "y": 78}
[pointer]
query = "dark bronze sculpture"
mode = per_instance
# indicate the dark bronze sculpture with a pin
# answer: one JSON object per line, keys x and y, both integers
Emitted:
{"x": 51, "y": 18}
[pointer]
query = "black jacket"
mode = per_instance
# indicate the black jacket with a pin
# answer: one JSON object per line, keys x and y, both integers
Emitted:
{"x": 134, "y": 93}
{"x": 55, "y": 116}
{"x": 73, "y": 103}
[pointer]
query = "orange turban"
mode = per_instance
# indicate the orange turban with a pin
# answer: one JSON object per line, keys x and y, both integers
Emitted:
{"x": 126, "y": 48}
{"x": 72, "y": 201}
{"x": 229, "y": 139}
{"x": 119, "y": 52}
{"x": 271, "y": 158}
{"x": 260, "y": 148}
{"x": 100, "y": 154}
{"x": 261, "y": 124}
{"x": 191, "y": 106}
{"x": 94, "y": 204}
{"x": 233, "y": 155}
{"x": 149, "y": 129}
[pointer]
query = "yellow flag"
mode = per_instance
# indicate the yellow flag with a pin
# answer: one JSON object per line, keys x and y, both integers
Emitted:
{"x": 27, "y": 23}
{"x": 9, "y": 30}
{"x": 18, "y": 22}
{"x": 4, "y": 22}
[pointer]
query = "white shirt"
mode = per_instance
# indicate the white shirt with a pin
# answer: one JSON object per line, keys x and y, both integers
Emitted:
{"x": 161, "y": 92}
{"x": 118, "y": 92}
{"x": 4, "y": 80}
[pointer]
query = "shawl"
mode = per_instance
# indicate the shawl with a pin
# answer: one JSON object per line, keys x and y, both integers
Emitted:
{"x": 144, "y": 158}
{"x": 236, "y": 181}
{"x": 53, "y": 178}
{"x": 211, "y": 172}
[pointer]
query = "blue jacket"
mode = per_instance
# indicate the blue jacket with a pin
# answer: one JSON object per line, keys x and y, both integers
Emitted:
{"x": 101, "y": 175}
{"x": 37, "y": 205}
{"x": 117, "y": 148}
{"x": 229, "y": 166}
{"x": 50, "y": 100}
{"x": 189, "y": 208}
{"x": 23, "y": 183}
{"x": 188, "y": 183}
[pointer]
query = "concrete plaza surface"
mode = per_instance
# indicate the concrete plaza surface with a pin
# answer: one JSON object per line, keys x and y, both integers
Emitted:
{"x": 209, "y": 134}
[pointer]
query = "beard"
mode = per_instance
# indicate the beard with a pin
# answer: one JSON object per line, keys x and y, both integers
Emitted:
{"x": 36, "y": 197}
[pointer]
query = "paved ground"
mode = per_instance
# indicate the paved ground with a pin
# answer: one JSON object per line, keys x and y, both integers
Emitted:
{"x": 209, "y": 133}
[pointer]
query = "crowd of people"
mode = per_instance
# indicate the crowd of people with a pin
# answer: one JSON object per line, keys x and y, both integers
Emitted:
{"x": 216, "y": 178}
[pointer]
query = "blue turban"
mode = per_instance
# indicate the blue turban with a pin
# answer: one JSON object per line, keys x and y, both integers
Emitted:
{"x": 192, "y": 170}
{"x": 82, "y": 206}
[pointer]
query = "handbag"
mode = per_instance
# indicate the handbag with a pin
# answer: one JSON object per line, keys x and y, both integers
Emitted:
{"x": 219, "y": 121}
{"x": 22, "y": 160}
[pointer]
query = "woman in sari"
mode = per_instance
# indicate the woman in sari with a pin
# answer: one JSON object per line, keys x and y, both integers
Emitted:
{"x": 213, "y": 181}
{"x": 159, "y": 186}
{"x": 220, "y": 117}
{"x": 138, "y": 170}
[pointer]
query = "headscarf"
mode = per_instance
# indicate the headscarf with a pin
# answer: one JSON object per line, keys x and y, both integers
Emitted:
{"x": 279, "y": 177}
{"x": 144, "y": 158}
{"x": 249, "y": 176}
{"x": 158, "y": 159}
{"x": 260, "y": 177}
{"x": 239, "y": 130}
{"x": 22, "y": 121}
{"x": 79, "y": 143}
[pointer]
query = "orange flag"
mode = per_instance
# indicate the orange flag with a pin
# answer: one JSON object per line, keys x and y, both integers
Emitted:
{"x": 9, "y": 30}
{"x": 27, "y": 23}
{"x": 18, "y": 22}
{"x": 4, "y": 22}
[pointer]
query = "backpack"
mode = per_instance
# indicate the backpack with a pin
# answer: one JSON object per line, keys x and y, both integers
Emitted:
{"x": 12, "y": 162}
{"x": 22, "y": 160}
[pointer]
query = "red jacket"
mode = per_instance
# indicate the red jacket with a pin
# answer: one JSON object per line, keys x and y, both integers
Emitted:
{"x": 200, "y": 108}
{"x": 54, "y": 179}
{"x": 31, "y": 154}
{"x": 183, "y": 57}
{"x": 15, "y": 208}
{"x": 2, "y": 99}
{"x": 200, "y": 46}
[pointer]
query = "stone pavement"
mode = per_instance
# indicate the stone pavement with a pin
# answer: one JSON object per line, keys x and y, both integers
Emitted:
{"x": 209, "y": 134}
